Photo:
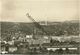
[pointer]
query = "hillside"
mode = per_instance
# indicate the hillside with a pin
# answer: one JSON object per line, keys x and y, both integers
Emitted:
{"x": 57, "y": 29}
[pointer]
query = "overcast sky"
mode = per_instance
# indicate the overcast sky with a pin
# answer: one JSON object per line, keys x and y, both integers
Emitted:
{"x": 40, "y": 10}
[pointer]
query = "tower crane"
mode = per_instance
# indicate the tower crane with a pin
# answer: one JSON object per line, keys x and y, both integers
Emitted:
{"x": 36, "y": 24}
{"x": 39, "y": 27}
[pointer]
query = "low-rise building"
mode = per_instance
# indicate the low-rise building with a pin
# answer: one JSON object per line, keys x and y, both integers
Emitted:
{"x": 12, "y": 48}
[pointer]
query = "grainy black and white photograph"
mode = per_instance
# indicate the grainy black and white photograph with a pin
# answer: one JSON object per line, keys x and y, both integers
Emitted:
{"x": 39, "y": 27}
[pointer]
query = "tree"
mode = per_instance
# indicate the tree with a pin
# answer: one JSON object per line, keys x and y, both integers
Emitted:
{"x": 67, "y": 50}
{"x": 50, "y": 51}
{"x": 34, "y": 50}
{"x": 51, "y": 41}
{"x": 60, "y": 51}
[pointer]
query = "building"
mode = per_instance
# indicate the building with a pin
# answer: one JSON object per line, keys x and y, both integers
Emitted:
{"x": 12, "y": 48}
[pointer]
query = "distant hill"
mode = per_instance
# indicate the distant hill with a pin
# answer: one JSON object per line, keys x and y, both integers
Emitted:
{"x": 56, "y": 28}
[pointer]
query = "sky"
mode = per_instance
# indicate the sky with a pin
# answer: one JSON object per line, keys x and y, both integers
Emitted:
{"x": 40, "y": 10}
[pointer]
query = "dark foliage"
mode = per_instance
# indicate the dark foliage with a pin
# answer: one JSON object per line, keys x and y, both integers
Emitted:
{"x": 56, "y": 29}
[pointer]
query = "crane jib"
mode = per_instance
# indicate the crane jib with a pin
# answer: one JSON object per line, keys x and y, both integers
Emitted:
{"x": 36, "y": 23}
